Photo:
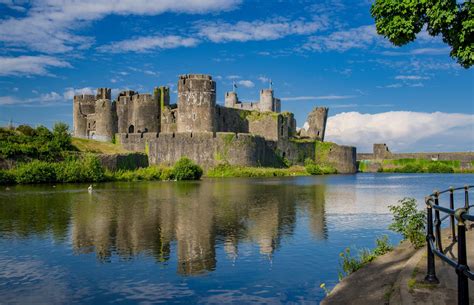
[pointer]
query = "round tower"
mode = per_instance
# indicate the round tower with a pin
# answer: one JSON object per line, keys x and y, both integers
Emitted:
{"x": 105, "y": 115}
{"x": 146, "y": 113}
{"x": 231, "y": 99}
{"x": 196, "y": 103}
{"x": 82, "y": 106}
{"x": 266, "y": 100}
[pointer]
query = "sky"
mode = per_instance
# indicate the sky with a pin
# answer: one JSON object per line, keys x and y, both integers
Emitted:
{"x": 317, "y": 53}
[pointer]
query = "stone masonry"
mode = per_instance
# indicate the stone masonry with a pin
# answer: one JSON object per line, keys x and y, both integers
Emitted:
{"x": 249, "y": 134}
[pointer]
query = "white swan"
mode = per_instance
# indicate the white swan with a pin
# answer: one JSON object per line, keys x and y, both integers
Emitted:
{"x": 89, "y": 188}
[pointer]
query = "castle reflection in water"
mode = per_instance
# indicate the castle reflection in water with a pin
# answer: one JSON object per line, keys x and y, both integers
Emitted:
{"x": 157, "y": 219}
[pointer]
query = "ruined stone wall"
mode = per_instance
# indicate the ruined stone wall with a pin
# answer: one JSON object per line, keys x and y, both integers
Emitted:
{"x": 169, "y": 117}
{"x": 83, "y": 105}
{"x": 382, "y": 152}
{"x": 231, "y": 120}
{"x": 135, "y": 141}
{"x": 342, "y": 158}
{"x": 205, "y": 148}
{"x": 296, "y": 152}
{"x": 196, "y": 103}
{"x": 316, "y": 120}
{"x": 129, "y": 161}
{"x": 272, "y": 126}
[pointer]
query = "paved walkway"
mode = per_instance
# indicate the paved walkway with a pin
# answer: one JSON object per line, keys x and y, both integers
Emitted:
{"x": 397, "y": 278}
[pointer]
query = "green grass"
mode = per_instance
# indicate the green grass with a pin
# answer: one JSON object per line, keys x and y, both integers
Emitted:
{"x": 422, "y": 166}
{"x": 226, "y": 170}
{"x": 92, "y": 146}
{"x": 351, "y": 264}
{"x": 88, "y": 169}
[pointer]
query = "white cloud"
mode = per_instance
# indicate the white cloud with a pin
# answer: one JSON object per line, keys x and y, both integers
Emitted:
{"x": 258, "y": 30}
{"x": 70, "y": 92}
{"x": 145, "y": 44}
{"x": 355, "y": 38}
{"x": 263, "y": 79}
{"x": 29, "y": 65}
{"x": 49, "y": 24}
{"x": 322, "y": 97}
{"x": 233, "y": 77}
{"x": 419, "y": 51}
{"x": 9, "y": 100}
{"x": 402, "y": 130}
{"x": 411, "y": 77}
{"x": 246, "y": 83}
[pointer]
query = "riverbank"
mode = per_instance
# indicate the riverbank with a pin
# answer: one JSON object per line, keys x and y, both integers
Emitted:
{"x": 415, "y": 166}
{"x": 398, "y": 278}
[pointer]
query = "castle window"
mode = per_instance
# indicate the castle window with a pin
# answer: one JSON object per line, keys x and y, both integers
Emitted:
{"x": 318, "y": 133}
{"x": 281, "y": 130}
{"x": 131, "y": 129}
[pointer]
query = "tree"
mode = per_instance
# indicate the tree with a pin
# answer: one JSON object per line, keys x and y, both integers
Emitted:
{"x": 401, "y": 20}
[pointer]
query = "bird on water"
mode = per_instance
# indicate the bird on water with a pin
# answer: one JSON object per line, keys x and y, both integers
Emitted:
{"x": 89, "y": 188}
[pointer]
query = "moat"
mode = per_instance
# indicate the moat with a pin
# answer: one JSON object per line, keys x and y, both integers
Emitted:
{"x": 212, "y": 241}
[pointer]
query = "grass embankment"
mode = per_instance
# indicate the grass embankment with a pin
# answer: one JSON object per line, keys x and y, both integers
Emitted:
{"x": 96, "y": 147}
{"x": 226, "y": 170}
{"x": 89, "y": 169}
{"x": 44, "y": 156}
{"x": 422, "y": 166}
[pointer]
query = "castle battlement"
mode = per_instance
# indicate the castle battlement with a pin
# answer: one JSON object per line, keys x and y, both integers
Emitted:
{"x": 245, "y": 133}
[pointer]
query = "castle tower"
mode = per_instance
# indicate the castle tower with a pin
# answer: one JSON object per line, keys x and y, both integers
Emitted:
{"x": 106, "y": 120}
{"x": 145, "y": 113}
{"x": 276, "y": 105}
{"x": 317, "y": 119}
{"x": 266, "y": 100}
{"x": 196, "y": 103}
{"x": 124, "y": 110}
{"x": 231, "y": 99}
{"x": 104, "y": 94}
{"x": 162, "y": 94}
{"x": 83, "y": 105}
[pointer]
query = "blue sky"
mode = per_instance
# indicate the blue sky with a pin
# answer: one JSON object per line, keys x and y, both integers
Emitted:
{"x": 414, "y": 98}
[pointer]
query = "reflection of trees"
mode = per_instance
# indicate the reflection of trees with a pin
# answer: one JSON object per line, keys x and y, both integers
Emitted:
{"x": 151, "y": 218}
{"x": 24, "y": 213}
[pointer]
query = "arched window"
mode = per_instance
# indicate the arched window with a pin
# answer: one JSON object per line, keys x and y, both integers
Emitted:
{"x": 131, "y": 129}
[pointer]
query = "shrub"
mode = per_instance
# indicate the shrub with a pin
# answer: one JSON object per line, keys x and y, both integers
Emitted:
{"x": 71, "y": 171}
{"x": 35, "y": 172}
{"x": 26, "y": 130}
{"x": 438, "y": 167}
{"x": 382, "y": 246}
{"x": 316, "y": 169}
{"x": 93, "y": 169}
{"x": 409, "y": 221}
{"x": 185, "y": 169}
{"x": 6, "y": 177}
{"x": 350, "y": 264}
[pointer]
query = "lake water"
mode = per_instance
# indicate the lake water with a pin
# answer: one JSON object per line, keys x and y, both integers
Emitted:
{"x": 266, "y": 241}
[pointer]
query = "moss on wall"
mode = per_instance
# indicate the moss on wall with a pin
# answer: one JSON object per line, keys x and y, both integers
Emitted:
{"x": 322, "y": 150}
{"x": 257, "y": 116}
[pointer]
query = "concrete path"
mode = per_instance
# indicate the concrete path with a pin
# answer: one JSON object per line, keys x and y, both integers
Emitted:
{"x": 397, "y": 278}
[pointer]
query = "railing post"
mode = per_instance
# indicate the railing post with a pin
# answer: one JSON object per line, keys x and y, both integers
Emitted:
{"x": 466, "y": 197}
{"x": 438, "y": 223}
{"x": 430, "y": 266}
{"x": 451, "y": 217}
{"x": 463, "y": 285}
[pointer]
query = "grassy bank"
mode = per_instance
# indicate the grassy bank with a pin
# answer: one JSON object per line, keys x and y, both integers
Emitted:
{"x": 91, "y": 146}
{"x": 417, "y": 166}
{"x": 225, "y": 170}
{"x": 310, "y": 168}
{"x": 89, "y": 169}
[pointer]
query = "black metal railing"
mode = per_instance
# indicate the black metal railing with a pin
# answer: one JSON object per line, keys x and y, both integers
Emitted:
{"x": 434, "y": 241}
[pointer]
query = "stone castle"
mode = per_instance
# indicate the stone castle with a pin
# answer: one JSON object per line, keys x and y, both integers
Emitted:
{"x": 239, "y": 133}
